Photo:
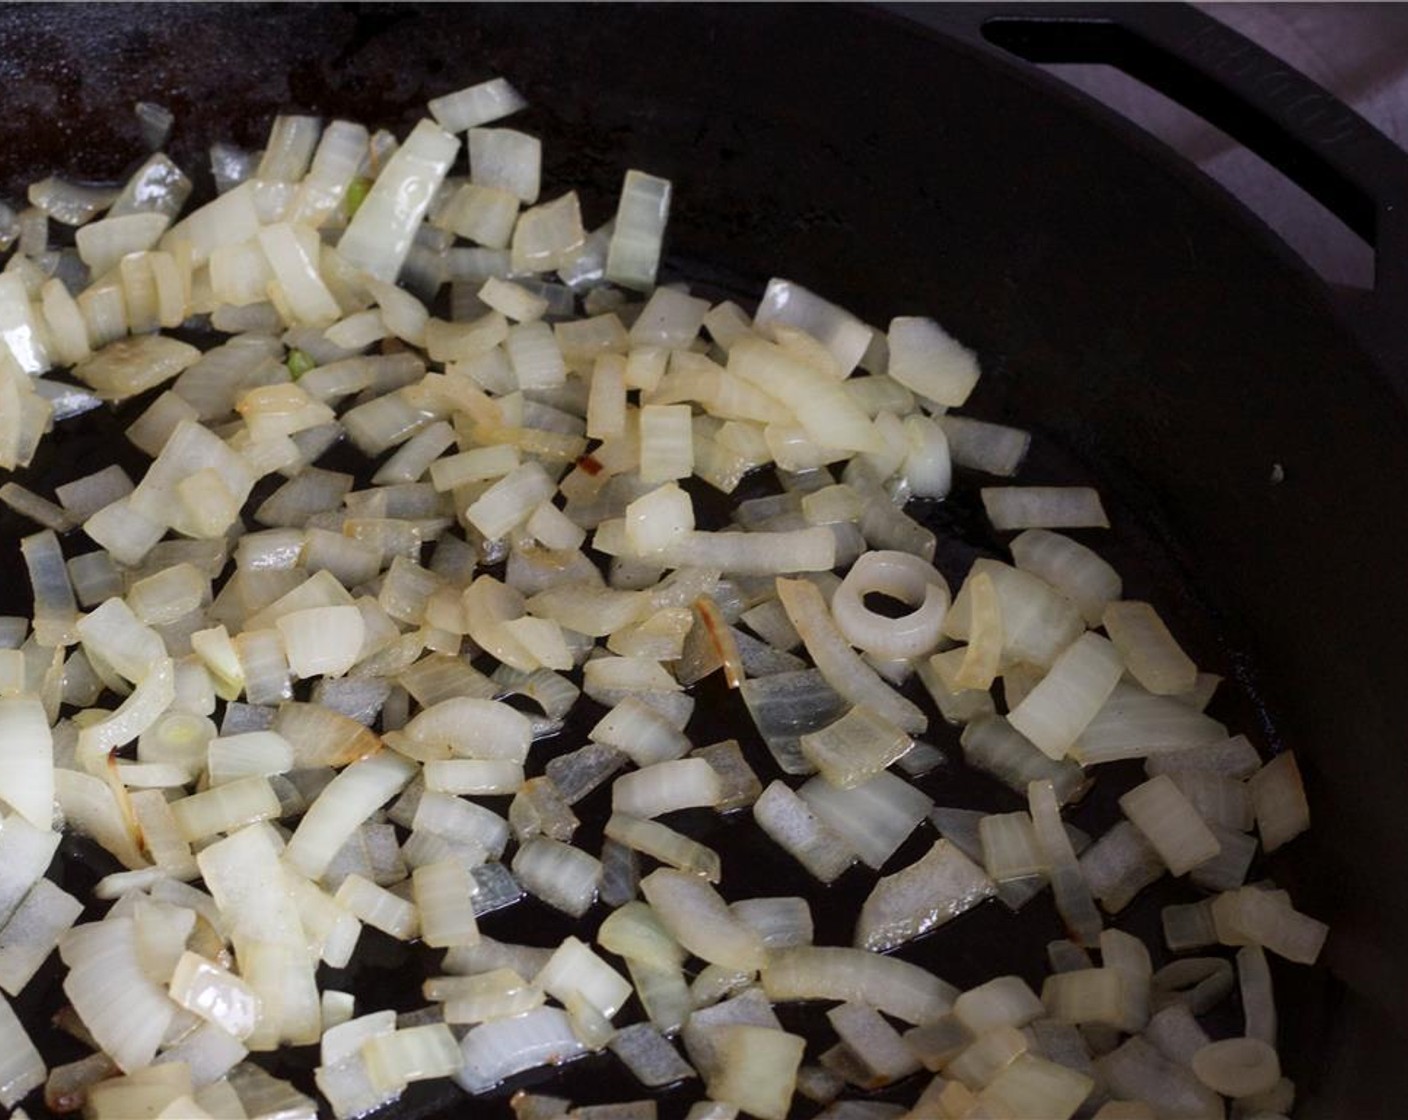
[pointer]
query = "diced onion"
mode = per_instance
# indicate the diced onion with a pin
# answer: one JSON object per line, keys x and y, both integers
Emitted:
{"x": 900, "y": 576}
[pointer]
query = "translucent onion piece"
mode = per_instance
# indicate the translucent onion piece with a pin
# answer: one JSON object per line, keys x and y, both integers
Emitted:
{"x": 900, "y": 576}
{"x": 1044, "y": 507}
{"x": 416, "y": 1053}
{"x": 1257, "y": 917}
{"x": 1135, "y": 724}
{"x": 1154, "y": 658}
{"x": 25, "y": 853}
{"x": 27, "y": 760}
{"x": 651, "y": 1058}
{"x": 225, "y": 808}
{"x": 1234, "y": 758}
{"x": 504, "y": 1047}
{"x": 1258, "y": 999}
{"x": 348, "y": 800}
{"x": 1031, "y": 1085}
{"x": 874, "y": 818}
{"x": 1170, "y": 823}
{"x": 22, "y": 1067}
{"x": 1010, "y": 850}
{"x": 55, "y": 611}
{"x": 757, "y": 1069}
{"x": 992, "y": 448}
{"x": 1176, "y": 1033}
{"x": 562, "y": 876}
{"x": 1237, "y": 1067}
{"x": 888, "y": 984}
{"x": 442, "y": 895}
{"x": 831, "y": 419}
{"x": 923, "y": 896}
{"x": 1037, "y": 622}
{"x": 798, "y": 550}
{"x": 575, "y": 969}
{"x": 506, "y": 160}
{"x": 1136, "y": 1071}
{"x": 215, "y": 994}
{"x": 379, "y": 236}
{"x": 788, "y": 304}
{"x": 664, "y": 844}
{"x": 124, "y": 1011}
{"x": 633, "y": 253}
{"x": 843, "y": 668}
{"x": 32, "y": 932}
{"x": 1119, "y": 865}
{"x": 699, "y": 919}
{"x": 1278, "y": 798}
{"x": 925, "y": 359}
{"x": 791, "y": 824}
{"x": 666, "y": 787}
{"x": 993, "y": 745}
{"x": 855, "y": 748}
{"x": 1058, "y": 709}
{"x": 476, "y": 105}
{"x": 1072, "y": 893}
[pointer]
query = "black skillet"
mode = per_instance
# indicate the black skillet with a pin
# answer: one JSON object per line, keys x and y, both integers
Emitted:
{"x": 1156, "y": 338}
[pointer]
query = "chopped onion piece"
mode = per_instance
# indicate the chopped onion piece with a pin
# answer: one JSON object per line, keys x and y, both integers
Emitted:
{"x": 476, "y": 105}
{"x": 1031, "y": 1085}
{"x": 378, "y": 238}
{"x": 1257, "y": 917}
{"x": 665, "y": 787}
{"x": 215, "y": 994}
{"x": 978, "y": 445}
{"x": 843, "y": 669}
{"x": 757, "y": 1069}
{"x": 32, "y": 932}
{"x": 664, "y": 844}
{"x": 633, "y": 253}
{"x": 1137, "y": 1071}
{"x": 925, "y": 359}
{"x": 1258, "y": 999}
{"x": 888, "y": 984}
{"x": 788, "y": 304}
{"x": 442, "y": 895}
{"x": 874, "y": 818}
{"x": 699, "y": 919}
{"x": 22, "y": 1067}
{"x": 855, "y": 748}
{"x": 504, "y": 1047}
{"x": 1037, "y": 622}
{"x": 1072, "y": 893}
{"x": 1278, "y": 798}
{"x": 27, "y": 760}
{"x": 1170, "y": 823}
{"x": 126, "y": 1013}
{"x": 347, "y": 801}
{"x": 900, "y": 576}
{"x": 1154, "y": 658}
{"x": 411, "y": 1054}
{"x": 1135, "y": 724}
{"x": 1237, "y": 1067}
{"x": 792, "y": 825}
{"x": 1080, "y": 681}
{"x": 923, "y": 896}
{"x": 562, "y": 876}
{"x": 1119, "y": 865}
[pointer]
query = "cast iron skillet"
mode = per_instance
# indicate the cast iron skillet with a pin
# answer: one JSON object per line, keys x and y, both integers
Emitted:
{"x": 1152, "y": 334}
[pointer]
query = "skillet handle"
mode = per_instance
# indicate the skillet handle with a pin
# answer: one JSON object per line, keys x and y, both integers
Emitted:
{"x": 1299, "y": 128}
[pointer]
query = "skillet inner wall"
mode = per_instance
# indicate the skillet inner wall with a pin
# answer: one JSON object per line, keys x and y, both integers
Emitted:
{"x": 1119, "y": 312}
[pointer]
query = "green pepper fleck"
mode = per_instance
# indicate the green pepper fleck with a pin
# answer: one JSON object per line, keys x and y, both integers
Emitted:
{"x": 299, "y": 362}
{"x": 356, "y": 194}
